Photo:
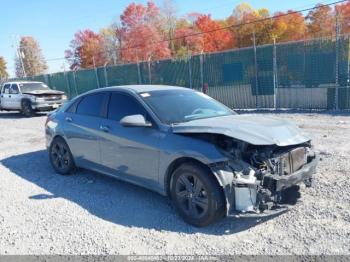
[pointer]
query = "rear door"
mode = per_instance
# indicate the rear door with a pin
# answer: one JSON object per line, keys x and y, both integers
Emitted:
{"x": 5, "y": 96}
{"x": 82, "y": 128}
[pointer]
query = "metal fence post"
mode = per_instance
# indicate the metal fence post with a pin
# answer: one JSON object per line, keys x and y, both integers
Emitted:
{"x": 97, "y": 80}
{"x": 275, "y": 75}
{"x": 201, "y": 70}
{"x": 337, "y": 29}
{"x": 149, "y": 72}
{"x": 139, "y": 72}
{"x": 190, "y": 71}
{"x": 256, "y": 72}
{"x": 67, "y": 83}
{"x": 75, "y": 83}
{"x": 105, "y": 73}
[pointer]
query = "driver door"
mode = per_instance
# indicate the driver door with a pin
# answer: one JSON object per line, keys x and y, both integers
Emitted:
{"x": 130, "y": 153}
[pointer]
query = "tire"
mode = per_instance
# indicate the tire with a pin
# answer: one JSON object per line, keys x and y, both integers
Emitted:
{"x": 61, "y": 157}
{"x": 27, "y": 109}
{"x": 197, "y": 195}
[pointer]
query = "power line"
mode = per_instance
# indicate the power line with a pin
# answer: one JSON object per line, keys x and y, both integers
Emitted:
{"x": 219, "y": 29}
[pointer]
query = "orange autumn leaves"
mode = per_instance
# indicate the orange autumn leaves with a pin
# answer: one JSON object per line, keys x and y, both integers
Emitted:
{"x": 143, "y": 33}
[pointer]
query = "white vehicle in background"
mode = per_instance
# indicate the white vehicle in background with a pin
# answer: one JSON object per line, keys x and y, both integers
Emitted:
{"x": 29, "y": 97}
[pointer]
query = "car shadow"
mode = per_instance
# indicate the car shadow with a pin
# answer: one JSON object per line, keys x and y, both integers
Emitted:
{"x": 17, "y": 115}
{"x": 113, "y": 200}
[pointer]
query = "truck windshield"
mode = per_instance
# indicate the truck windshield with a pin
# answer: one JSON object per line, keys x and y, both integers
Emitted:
{"x": 28, "y": 87}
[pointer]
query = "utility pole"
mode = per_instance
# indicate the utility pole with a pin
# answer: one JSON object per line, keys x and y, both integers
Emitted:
{"x": 19, "y": 53}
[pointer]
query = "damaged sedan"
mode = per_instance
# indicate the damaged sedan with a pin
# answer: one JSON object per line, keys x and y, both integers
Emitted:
{"x": 183, "y": 144}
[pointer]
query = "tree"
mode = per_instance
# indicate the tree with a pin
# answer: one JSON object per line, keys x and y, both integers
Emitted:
{"x": 214, "y": 37}
{"x": 342, "y": 11}
{"x": 169, "y": 16}
{"x": 31, "y": 58}
{"x": 86, "y": 50}
{"x": 142, "y": 35}
{"x": 289, "y": 26}
{"x": 3, "y": 69}
{"x": 111, "y": 39}
{"x": 321, "y": 21}
{"x": 245, "y": 25}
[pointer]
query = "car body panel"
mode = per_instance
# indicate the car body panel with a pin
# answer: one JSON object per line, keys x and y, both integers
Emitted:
{"x": 144, "y": 155}
{"x": 252, "y": 129}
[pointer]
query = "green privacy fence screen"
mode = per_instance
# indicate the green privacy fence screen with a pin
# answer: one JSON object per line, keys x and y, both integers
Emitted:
{"x": 311, "y": 74}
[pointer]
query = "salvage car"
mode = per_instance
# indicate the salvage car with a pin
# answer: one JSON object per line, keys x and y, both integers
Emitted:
{"x": 183, "y": 144}
{"x": 30, "y": 97}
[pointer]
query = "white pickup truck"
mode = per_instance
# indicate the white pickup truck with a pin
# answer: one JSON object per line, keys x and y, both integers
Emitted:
{"x": 29, "y": 97}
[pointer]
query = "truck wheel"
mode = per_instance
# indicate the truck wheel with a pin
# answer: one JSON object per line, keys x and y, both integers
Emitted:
{"x": 197, "y": 195}
{"x": 27, "y": 109}
{"x": 61, "y": 157}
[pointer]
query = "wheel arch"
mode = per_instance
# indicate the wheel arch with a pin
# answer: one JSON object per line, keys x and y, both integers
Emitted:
{"x": 178, "y": 162}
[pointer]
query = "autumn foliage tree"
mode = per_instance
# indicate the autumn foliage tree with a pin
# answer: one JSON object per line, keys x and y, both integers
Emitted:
{"x": 214, "y": 38}
{"x": 3, "y": 69}
{"x": 86, "y": 50}
{"x": 289, "y": 26}
{"x": 321, "y": 21}
{"x": 142, "y": 34}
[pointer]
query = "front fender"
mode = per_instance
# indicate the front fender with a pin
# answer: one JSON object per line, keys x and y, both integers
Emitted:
{"x": 174, "y": 147}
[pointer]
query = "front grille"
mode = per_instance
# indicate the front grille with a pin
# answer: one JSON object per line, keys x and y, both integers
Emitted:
{"x": 52, "y": 98}
{"x": 293, "y": 160}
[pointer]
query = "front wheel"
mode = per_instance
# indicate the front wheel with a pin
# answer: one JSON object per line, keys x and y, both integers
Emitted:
{"x": 61, "y": 157}
{"x": 197, "y": 195}
{"x": 27, "y": 109}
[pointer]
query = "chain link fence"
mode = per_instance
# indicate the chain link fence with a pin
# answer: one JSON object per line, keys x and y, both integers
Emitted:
{"x": 310, "y": 74}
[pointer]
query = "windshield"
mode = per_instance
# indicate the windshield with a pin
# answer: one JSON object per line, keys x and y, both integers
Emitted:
{"x": 177, "y": 106}
{"x": 28, "y": 87}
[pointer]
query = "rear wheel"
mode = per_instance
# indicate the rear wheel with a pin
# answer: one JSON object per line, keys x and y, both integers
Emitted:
{"x": 197, "y": 195}
{"x": 27, "y": 109}
{"x": 60, "y": 157}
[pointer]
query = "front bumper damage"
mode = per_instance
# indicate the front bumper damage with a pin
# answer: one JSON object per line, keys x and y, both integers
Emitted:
{"x": 250, "y": 198}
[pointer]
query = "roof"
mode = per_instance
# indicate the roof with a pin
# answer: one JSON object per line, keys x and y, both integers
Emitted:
{"x": 20, "y": 82}
{"x": 143, "y": 88}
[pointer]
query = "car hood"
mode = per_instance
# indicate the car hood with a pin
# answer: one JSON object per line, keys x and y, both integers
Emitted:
{"x": 44, "y": 92}
{"x": 253, "y": 129}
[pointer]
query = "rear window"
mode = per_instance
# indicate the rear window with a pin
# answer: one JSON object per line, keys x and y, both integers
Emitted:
{"x": 91, "y": 105}
{"x": 6, "y": 89}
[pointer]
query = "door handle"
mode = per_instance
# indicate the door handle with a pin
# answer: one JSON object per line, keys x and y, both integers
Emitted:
{"x": 104, "y": 128}
{"x": 69, "y": 119}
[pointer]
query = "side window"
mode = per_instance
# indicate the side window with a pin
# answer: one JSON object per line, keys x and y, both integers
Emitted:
{"x": 6, "y": 89}
{"x": 121, "y": 105}
{"x": 14, "y": 89}
{"x": 73, "y": 107}
{"x": 91, "y": 105}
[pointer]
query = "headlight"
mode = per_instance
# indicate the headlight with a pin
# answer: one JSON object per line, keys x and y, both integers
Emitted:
{"x": 64, "y": 97}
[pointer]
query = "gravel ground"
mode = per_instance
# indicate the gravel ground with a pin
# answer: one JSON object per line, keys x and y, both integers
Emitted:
{"x": 44, "y": 213}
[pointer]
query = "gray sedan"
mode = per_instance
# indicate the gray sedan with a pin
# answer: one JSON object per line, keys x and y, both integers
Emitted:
{"x": 183, "y": 144}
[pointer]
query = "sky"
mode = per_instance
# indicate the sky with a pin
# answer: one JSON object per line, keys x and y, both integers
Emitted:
{"x": 53, "y": 23}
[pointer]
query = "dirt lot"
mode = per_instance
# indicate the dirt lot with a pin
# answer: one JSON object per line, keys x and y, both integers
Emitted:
{"x": 44, "y": 213}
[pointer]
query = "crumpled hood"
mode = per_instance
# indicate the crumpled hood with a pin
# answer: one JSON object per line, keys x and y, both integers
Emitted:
{"x": 44, "y": 92}
{"x": 253, "y": 129}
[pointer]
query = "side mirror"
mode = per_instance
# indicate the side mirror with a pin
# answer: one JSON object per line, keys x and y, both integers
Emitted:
{"x": 135, "y": 121}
